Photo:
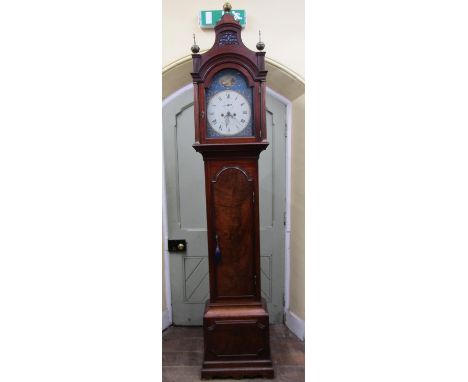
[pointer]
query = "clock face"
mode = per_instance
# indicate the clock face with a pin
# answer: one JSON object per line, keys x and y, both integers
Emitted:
{"x": 228, "y": 112}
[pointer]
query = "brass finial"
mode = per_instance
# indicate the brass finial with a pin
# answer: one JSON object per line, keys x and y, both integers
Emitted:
{"x": 260, "y": 44}
{"x": 195, "y": 48}
{"x": 227, "y": 6}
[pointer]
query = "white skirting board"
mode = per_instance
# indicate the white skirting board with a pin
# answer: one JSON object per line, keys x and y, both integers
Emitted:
{"x": 295, "y": 324}
{"x": 166, "y": 321}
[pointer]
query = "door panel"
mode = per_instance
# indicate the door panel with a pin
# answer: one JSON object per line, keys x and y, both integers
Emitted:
{"x": 266, "y": 178}
{"x": 185, "y": 195}
{"x": 196, "y": 280}
{"x": 233, "y": 209}
{"x": 189, "y": 188}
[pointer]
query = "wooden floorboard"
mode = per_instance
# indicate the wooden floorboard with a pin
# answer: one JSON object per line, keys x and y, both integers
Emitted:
{"x": 182, "y": 355}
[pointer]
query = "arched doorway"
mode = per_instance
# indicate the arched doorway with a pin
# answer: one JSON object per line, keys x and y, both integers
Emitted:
{"x": 184, "y": 275}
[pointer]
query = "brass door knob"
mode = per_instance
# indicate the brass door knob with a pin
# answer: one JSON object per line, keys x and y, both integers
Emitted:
{"x": 180, "y": 247}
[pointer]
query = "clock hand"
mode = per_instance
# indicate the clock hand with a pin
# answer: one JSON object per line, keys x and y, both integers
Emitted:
{"x": 237, "y": 121}
{"x": 238, "y": 124}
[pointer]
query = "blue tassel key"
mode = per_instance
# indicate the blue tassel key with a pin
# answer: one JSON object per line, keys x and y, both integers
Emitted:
{"x": 217, "y": 255}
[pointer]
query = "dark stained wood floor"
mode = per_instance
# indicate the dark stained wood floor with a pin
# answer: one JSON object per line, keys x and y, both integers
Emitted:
{"x": 182, "y": 355}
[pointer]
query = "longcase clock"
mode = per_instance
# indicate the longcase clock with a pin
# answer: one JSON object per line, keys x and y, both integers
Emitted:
{"x": 230, "y": 133}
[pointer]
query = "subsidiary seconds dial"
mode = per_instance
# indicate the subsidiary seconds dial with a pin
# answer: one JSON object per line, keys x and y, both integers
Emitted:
{"x": 228, "y": 112}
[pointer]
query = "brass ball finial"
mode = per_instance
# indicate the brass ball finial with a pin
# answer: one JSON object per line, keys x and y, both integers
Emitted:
{"x": 260, "y": 44}
{"x": 195, "y": 48}
{"x": 227, "y": 6}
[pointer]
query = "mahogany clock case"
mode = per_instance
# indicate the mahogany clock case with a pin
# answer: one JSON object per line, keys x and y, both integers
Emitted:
{"x": 236, "y": 321}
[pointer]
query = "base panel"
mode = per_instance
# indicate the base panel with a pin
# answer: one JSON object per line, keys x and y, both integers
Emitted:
{"x": 236, "y": 342}
{"x": 237, "y": 372}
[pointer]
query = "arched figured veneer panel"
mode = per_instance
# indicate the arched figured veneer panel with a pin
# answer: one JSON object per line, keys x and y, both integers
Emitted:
{"x": 233, "y": 198}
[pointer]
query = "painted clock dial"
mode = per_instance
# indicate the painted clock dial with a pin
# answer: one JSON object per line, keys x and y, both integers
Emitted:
{"x": 229, "y": 106}
{"x": 229, "y": 112}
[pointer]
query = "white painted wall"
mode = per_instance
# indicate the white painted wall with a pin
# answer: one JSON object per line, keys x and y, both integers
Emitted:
{"x": 277, "y": 19}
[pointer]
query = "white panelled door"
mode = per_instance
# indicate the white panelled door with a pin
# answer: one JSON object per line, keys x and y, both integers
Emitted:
{"x": 185, "y": 195}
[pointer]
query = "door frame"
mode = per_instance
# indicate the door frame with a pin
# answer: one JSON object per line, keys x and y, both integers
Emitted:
{"x": 167, "y": 315}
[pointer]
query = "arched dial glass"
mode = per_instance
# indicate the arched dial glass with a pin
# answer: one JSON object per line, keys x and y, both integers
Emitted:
{"x": 228, "y": 112}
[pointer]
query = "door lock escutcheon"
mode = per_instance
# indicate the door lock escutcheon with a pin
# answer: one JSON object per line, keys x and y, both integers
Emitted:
{"x": 177, "y": 245}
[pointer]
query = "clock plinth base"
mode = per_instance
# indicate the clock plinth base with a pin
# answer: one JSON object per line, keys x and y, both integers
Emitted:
{"x": 237, "y": 371}
{"x": 236, "y": 341}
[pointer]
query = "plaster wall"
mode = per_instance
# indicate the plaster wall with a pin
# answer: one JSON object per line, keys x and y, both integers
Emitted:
{"x": 281, "y": 23}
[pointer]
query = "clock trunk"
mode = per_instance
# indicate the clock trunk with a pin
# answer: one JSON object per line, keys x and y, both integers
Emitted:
{"x": 232, "y": 188}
